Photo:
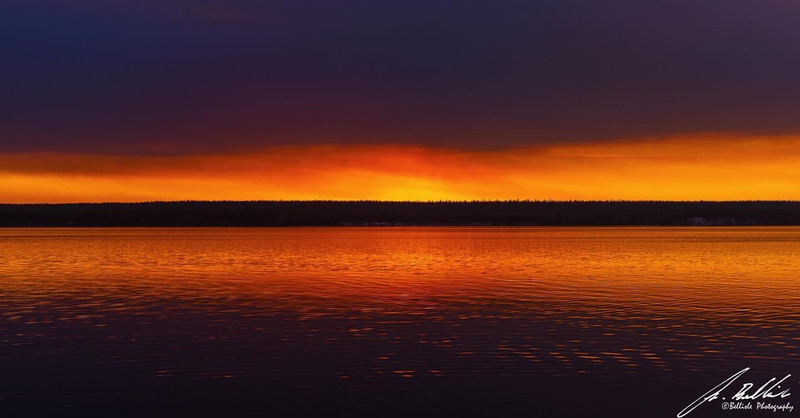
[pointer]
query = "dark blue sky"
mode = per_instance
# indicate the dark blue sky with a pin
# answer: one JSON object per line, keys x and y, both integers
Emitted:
{"x": 193, "y": 76}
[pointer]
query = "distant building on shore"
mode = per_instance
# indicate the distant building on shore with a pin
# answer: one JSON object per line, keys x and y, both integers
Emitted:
{"x": 703, "y": 221}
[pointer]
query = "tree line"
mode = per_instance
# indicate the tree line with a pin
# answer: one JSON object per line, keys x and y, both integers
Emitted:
{"x": 323, "y": 213}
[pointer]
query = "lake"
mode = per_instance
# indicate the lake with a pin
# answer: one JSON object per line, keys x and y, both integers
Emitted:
{"x": 467, "y": 321}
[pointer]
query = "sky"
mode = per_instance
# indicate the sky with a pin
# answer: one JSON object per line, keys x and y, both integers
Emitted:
{"x": 419, "y": 100}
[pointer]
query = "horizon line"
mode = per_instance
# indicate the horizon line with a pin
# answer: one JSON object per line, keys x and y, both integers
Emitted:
{"x": 407, "y": 201}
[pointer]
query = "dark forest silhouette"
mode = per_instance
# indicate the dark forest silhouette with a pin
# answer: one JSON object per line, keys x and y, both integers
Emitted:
{"x": 311, "y": 213}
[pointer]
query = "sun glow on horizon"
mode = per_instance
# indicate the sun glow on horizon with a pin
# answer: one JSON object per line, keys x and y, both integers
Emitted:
{"x": 679, "y": 168}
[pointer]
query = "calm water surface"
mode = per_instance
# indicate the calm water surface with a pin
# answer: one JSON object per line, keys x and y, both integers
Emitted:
{"x": 448, "y": 321}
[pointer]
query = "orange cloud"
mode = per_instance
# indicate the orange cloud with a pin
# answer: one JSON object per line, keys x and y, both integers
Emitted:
{"x": 685, "y": 168}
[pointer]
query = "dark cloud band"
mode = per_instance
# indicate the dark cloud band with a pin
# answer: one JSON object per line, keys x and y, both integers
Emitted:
{"x": 172, "y": 76}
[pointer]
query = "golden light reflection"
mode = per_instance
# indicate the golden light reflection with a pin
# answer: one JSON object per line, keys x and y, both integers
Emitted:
{"x": 558, "y": 299}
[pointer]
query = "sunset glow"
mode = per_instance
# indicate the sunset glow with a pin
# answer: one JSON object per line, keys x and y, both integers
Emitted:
{"x": 711, "y": 167}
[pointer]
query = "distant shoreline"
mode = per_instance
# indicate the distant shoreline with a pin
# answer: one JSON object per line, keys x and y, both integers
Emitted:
{"x": 377, "y": 213}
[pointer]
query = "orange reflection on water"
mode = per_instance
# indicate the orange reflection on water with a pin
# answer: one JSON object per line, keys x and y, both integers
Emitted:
{"x": 451, "y": 300}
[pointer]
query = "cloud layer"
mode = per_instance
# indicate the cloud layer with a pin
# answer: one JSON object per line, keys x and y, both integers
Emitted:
{"x": 179, "y": 77}
{"x": 680, "y": 168}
